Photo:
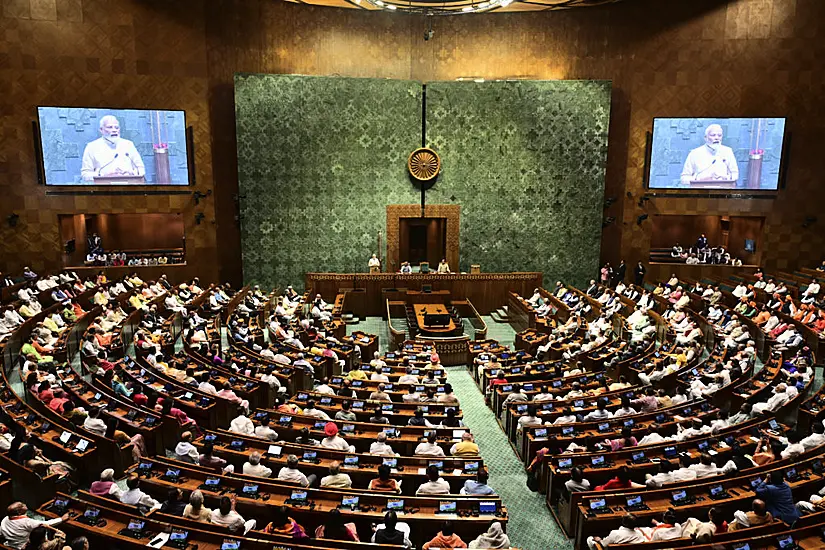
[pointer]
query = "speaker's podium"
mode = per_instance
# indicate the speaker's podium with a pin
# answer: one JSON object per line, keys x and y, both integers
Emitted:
{"x": 119, "y": 180}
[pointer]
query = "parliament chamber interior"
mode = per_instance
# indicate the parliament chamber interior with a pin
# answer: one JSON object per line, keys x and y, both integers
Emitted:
{"x": 419, "y": 274}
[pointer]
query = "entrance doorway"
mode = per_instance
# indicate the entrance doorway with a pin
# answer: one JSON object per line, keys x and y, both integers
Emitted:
{"x": 422, "y": 240}
{"x": 439, "y": 225}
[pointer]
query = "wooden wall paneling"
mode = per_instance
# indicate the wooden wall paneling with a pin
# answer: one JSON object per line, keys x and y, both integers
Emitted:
{"x": 487, "y": 291}
{"x": 699, "y": 58}
{"x": 98, "y": 53}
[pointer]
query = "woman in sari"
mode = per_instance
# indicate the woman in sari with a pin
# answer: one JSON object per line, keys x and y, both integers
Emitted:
{"x": 282, "y": 524}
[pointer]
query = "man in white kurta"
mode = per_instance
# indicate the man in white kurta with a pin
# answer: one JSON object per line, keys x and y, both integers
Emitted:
{"x": 374, "y": 264}
{"x": 111, "y": 155}
{"x": 711, "y": 161}
{"x": 626, "y": 534}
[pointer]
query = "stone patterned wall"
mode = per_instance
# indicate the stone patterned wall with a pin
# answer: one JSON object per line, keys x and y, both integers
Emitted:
{"x": 526, "y": 162}
{"x": 319, "y": 159}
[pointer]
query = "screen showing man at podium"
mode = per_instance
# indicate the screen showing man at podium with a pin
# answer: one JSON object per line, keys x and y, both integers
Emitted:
{"x": 727, "y": 153}
{"x": 711, "y": 162}
{"x": 84, "y": 146}
{"x": 111, "y": 155}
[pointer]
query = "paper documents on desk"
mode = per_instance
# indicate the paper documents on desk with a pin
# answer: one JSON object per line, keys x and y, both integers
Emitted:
{"x": 158, "y": 541}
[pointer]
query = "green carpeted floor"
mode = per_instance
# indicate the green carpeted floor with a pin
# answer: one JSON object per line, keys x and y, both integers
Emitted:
{"x": 531, "y": 526}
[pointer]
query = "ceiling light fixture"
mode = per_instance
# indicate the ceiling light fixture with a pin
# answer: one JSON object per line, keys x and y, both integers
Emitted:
{"x": 461, "y": 7}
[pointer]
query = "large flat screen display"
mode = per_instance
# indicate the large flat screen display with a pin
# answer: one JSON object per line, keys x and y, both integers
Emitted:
{"x": 716, "y": 153}
{"x": 92, "y": 146}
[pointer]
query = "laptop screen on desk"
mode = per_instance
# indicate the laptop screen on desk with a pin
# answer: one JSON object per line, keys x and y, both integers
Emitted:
{"x": 447, "y": 507}
{"x": 135, "y": 525}
{"x": 471, "y": 466}
{"x": 597, "y": 503}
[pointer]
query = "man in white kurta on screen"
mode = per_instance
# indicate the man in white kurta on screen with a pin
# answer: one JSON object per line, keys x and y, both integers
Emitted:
{"x": 711, "y": 161}
{"x": 110, "y": 154}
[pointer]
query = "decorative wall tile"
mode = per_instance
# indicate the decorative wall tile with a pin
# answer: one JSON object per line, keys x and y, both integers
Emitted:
{"x": 318, "y": 161}
{"x": 526, "y": 162}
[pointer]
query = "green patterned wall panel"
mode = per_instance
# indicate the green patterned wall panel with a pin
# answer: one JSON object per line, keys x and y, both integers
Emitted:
{"x": 319, "y": 158}
{"x": 526, "y": 162}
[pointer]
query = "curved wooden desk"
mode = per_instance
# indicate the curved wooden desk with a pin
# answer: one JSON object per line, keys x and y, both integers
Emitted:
{"x": 423, "y": 310}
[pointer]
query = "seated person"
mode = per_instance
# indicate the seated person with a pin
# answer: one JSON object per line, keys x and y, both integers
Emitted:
{"x": 290, "y": 472}
{"x": 445, "y": 538}
{"x": 621, "y": 481}
{"x": 384, "y": 482}
{"x": 478, "y": 486}
{"x": 185, "y": 451}
{"x": 758, "y": 515}
{"x": 334, "y": 528}
{"x": 627, "y": 533}
{"x": 429, "y": 447}
{"x": 435, "y": 484}
{"x": 335, "y": 441}
{"x": 419, "y": 420}
{"x": 392, "y": 532}
{"x": 133, "y": 495}
{"x": 253, "y": 466}
{"x": 667, "y": 529}
{"x": 174, "y": 503}
{"x": 208, "y": 460}
{"x": 226, "y": 516}
{"x": 467, "y": 447}
{"x": 106, "y": 486}
{"x": 380, "y": 447}
{"x": 336, "y": 479}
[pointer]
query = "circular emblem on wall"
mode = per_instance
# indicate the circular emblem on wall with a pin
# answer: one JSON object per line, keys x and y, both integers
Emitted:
{"x": 424, "y": 164}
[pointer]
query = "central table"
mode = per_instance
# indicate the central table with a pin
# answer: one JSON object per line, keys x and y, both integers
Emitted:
{"x": 422, "y": 311}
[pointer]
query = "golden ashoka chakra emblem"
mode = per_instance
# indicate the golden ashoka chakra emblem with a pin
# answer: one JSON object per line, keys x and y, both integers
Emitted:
{"x": 424, "y": 164}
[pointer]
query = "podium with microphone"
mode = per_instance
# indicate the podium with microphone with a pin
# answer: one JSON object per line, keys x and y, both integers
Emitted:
{"x": 119, "y": 179}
